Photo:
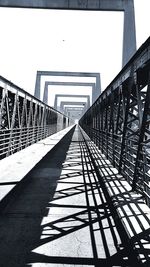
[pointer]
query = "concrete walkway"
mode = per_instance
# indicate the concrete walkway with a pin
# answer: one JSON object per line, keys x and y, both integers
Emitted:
{"x": 58, "y": 216}
{"x": 15, "y": 167}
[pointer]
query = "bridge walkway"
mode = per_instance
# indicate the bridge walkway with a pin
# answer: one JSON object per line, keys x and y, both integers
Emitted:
{"x": 58, "y": 214}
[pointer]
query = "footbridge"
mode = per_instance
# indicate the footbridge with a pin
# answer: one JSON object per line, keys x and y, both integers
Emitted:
{"x": 77, "y": 194}
{"x": 75, "y": 182}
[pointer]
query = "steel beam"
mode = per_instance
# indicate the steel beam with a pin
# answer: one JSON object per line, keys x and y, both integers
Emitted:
{"x": 70, "y": 112}
{"x": 80, "y": 103}
{"x": 95, "y": 91}
{"x": 129, "y": 32}
{"x": 74, "y": 112}
{"x": 106, "y": 5}
{"x": 68, "y": 84}
{"x": 24, "y": 119}
{"x": 119, "y": 121}
{"x": 72, "y": 96}
{"x": 129, "y": 39}
{"x": 74, "y": 115}
{"x": 69, "y": 108}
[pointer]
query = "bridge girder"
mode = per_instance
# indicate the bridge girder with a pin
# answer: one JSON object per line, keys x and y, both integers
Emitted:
{"x": 96, "y": 87}
{"x": 69, "y": 108}
{"x": 110, "y": 5}
{"x": 72, "y": 96}
{"x": 64, "y": 104}
{"x": 129, "y": 38}
{"x": 77, "y": 84}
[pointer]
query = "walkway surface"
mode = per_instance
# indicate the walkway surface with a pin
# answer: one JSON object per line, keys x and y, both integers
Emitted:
{"x": 58, "y": 216}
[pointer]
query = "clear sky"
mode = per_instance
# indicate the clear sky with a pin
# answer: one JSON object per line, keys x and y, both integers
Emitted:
{"x": 34, "y": 40}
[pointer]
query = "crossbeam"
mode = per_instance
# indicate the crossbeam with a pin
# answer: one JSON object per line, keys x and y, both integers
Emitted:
{"x": 74, "y": 114}
{"x": 73, "y": 108}
{"x": 65, "y": 103}
{"x": 127, "y": 6}
{"x": 95, "y": 93}
{"x": 96, "y": 87}
{"x": 72, "y": 96}
{"x": 106, "y": 5}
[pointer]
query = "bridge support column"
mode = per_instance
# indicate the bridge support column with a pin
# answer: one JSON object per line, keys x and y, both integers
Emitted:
{"x": 37, "y": 92}
{"x": 45, "y": 96}
{"x": 129, "y": 32}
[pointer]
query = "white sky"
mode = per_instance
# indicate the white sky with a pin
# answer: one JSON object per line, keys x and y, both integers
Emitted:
{"x": 34, "y": 40}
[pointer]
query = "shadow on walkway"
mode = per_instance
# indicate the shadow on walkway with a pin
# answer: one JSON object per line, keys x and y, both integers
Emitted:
{"x": 58, "y": 215}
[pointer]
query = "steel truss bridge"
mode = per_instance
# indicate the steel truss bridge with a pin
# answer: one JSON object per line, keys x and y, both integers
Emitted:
{"x": 24, "y": 119}
{"x": 108, "y": 156}
{"x": 119, "y": 121}
{"x": 87, "y": 201}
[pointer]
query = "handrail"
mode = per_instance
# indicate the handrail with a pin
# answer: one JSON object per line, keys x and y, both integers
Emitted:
{"x": 24, "y": 119}
{"x": 119, "y": 121}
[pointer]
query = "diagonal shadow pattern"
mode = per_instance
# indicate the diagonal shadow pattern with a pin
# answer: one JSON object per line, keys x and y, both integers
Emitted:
{"x": 58, "y": 216}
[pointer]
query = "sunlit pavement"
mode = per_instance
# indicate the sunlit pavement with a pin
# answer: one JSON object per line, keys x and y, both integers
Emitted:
{"x": 58, "y": 215}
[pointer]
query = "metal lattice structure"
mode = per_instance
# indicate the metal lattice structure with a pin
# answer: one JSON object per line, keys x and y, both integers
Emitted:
{"x": 24, "y": 119}
{"x": 119, "y": 121}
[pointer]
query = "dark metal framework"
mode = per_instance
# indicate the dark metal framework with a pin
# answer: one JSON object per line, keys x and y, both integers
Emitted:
{"x": 24, "y": 119}
{"x": 70, "y": 96}
{"x": 96, "y": 87}
{"x": 119, "y": 121}
{"x": 76, "y": 84}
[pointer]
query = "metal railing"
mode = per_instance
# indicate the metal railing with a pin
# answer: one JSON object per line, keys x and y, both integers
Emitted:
{"x": 24, "y": 119}
{"x": 119, "y": 121}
